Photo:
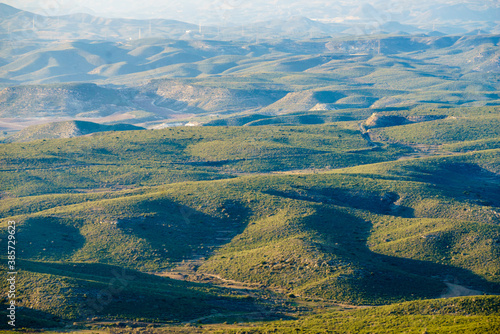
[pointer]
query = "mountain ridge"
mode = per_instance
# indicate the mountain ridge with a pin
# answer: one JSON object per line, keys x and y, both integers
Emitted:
{"x": 19, "y": 25}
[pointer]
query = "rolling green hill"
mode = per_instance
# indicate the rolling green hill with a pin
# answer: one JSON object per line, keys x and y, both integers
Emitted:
{"x": 73, "y": 100}
{"x": 266, "y": 222}
{"x": 464, "y": 315}
{"x": 344, "y": 184}
{"x": 68, "y": 129}
{"x": 447, "y": 131}
{"x": 70, "y": 291}
{"x": 128, "y": 159}
{"x": 372, "y": 234}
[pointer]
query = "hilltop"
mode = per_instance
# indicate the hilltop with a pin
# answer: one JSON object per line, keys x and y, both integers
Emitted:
{"x": 67, "y": 129}
{"x": 73, "y": 100}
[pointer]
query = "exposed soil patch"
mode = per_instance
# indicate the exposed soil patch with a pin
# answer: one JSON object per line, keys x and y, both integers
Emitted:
{"x": 455, "y": 290}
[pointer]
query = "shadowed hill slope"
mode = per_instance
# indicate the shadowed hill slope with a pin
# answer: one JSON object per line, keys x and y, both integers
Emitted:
{"x": 342, "y": 236}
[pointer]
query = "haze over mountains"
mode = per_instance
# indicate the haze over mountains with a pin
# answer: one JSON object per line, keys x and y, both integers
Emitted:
{"x": 150, "y": 82}
{"x": 332, "y": 20}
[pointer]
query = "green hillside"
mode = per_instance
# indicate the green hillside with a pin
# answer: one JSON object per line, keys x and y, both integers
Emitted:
{"x": 464, "y": 315}
{"x": 206, "y": 180}
{"x": 70, "y": 291}
{"x": 448, "y": 131}
{"x": 129, "y": 159}
{"x": 68, "y": 129}
{"x": 260, "y": 222}
{"x": 340, "y": 236}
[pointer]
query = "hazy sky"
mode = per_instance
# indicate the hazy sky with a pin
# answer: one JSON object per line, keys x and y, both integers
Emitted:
{"x": 218, "y": 10}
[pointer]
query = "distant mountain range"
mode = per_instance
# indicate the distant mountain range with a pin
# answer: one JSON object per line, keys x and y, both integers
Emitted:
{"x": 18, "y": 25}
{"x": 155, "y": 73}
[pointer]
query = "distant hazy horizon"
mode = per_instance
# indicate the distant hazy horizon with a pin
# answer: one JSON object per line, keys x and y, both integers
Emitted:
{"x": 229, "y": 11}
